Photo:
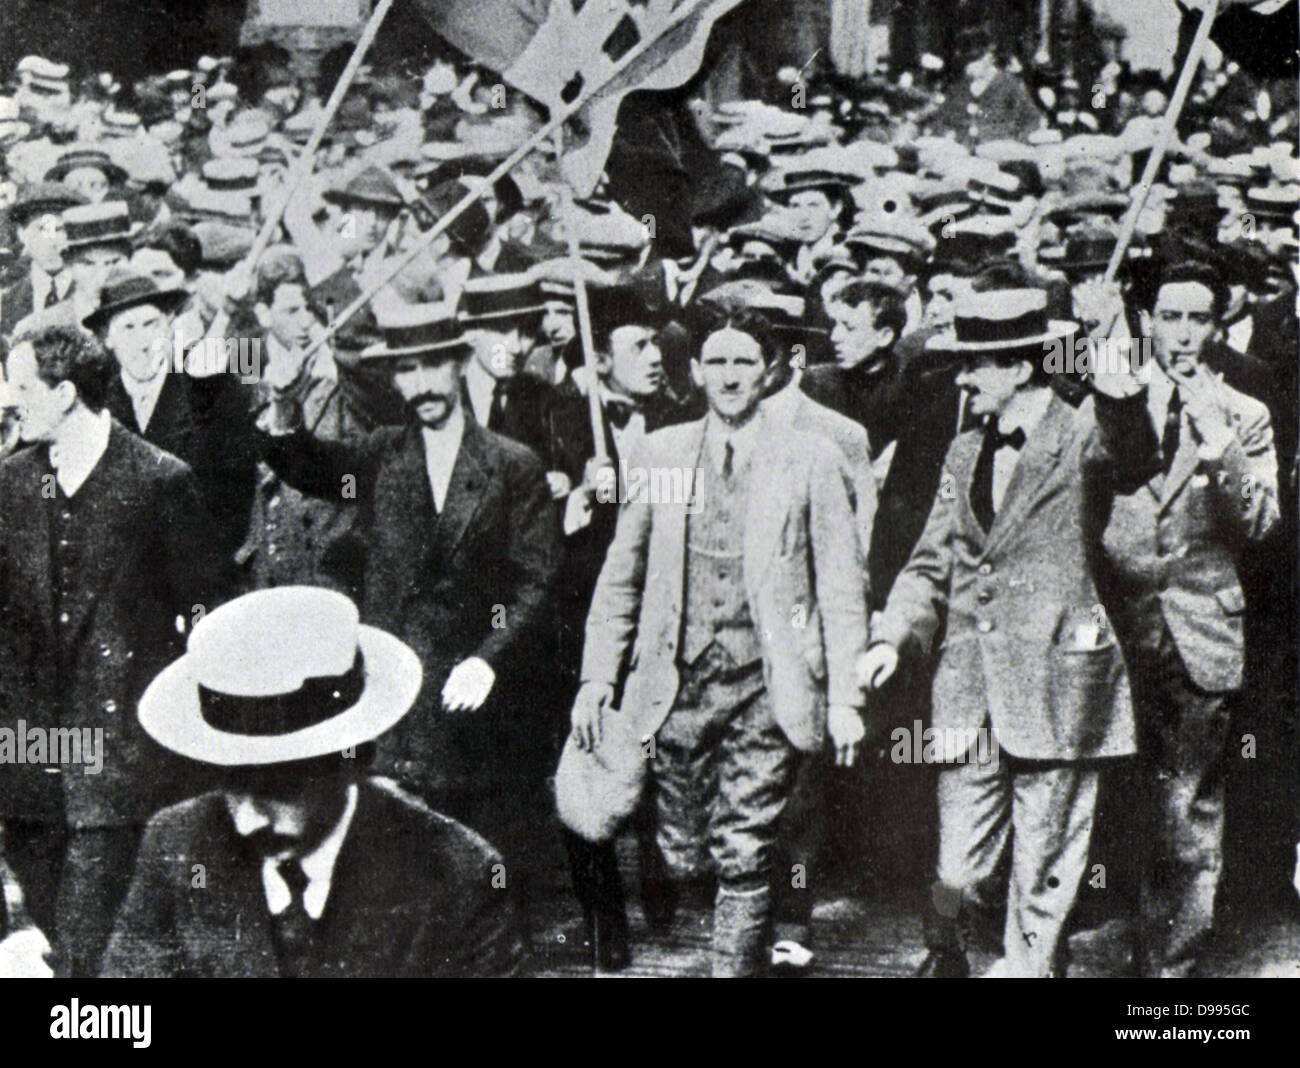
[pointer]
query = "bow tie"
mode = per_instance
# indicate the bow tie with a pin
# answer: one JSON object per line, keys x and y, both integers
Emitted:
{"x": 997, "y": 439}
{"x": 619, "y": 412}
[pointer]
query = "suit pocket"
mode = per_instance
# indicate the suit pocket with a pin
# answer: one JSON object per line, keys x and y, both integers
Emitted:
{"x": 1231, "y": 600}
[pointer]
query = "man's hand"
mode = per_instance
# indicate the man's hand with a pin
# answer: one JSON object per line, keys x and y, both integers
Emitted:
{"x": 1209, "y": 419}
{"x": 25, "y": 954}
{"x": 560, "y": 483}
{"x": 846, "y": 730}
{"x": 877, "y": 665}
{"x": 1099, "y": 306}
{"x": 588, "y": 709}
{"x": 468, "y": 685}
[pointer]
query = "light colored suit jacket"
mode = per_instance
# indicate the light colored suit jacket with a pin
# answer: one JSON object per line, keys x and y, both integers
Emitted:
{"x": 802, "y": 570}
{"x": 800, "y": 412}
{"x": 1172, "y": 542}
{"x": 1027, "y": 645}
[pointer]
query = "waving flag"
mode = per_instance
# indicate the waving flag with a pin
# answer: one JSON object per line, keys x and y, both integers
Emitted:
{"x": 555, "y": 50}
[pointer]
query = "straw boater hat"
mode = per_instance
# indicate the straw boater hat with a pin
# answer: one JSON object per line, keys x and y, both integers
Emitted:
{"x": 77, "y": 158}
{"x": 277, "y": 676}
{"x": 1001, "y": 320}
{"x": 498, "y": 298}
{"x": 108, "y": 223}
{"x": 418, "y": 330}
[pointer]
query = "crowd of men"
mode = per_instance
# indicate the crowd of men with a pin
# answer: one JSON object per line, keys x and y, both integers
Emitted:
{"x": 341, "y": 593}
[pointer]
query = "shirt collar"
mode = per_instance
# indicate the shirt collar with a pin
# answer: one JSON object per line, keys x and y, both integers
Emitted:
{"x": 81, "y": 445}
{"x": 446, "y": 437}
{"x": 1025, "y": 411}
{"x": 318, "y": 865}
{"x": 743, "y": 439}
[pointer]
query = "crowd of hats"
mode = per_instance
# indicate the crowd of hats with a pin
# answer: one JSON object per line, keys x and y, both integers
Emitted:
{"x": 199, "y": 146}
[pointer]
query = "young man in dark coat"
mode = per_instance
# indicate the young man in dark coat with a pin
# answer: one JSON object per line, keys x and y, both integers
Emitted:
{"x": 106, "y": 555}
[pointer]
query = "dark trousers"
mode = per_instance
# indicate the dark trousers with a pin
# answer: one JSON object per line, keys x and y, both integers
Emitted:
{"x": 1182, "y": 760}
{"x": 73, "y": 882}
{"x": 515, "y": 819}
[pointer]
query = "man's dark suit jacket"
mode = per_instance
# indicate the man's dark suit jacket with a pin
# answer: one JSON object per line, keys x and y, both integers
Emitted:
{"x": 915, "y": 404}
{"x": 474, "y": 580}
{"x": 411, "y": 896}
{"x": 144, "y": 555}
{"x": 207, "y": 423}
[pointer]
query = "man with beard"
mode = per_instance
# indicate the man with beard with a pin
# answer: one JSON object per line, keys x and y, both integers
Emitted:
{"x": 460, "y": 541}
{"x": 314, "y": 867}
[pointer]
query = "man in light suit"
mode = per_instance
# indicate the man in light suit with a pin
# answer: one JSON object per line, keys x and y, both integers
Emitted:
{"x": 1207, "y": 488}
{"x": 1003, "y": 562}
{"x": 738, "y": 611}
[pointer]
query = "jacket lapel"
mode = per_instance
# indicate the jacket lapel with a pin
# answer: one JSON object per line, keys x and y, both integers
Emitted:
{"x": 670, "y": 521}
{"x": 471, "y": 477}
{"x": 1185, "y": 462}
{"x": 1037, "y": 461}
{"x": 402, "y": 478}
{"x": 233, "y": 920}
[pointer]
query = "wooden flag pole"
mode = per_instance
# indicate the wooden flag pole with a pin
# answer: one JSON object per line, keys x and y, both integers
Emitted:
{"x": 1210, "y": 12}
{"x": 306, "y": 159}
{"x": 555, "y": 122}
{"x": 594, "y": 408}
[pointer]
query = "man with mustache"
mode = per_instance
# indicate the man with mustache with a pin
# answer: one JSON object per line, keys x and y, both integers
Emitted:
{"x": 311, "y": 866}
{"x": 458, "y": 542}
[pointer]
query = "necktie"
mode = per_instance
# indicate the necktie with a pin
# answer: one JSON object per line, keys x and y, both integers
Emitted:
{"x": 294, "y": 929}
{"x": 1172, "y": 434}
{"x": 981, "y": 491}
{"x": 497, "y": 410}
{"x": 728, "y": 455}
{"x": 52, "y": 294}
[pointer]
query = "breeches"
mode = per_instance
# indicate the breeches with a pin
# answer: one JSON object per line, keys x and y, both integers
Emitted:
{"x": 721, "y": 774}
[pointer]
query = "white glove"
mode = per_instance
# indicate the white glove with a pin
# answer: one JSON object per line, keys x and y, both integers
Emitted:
{"x": 468, "y": 685}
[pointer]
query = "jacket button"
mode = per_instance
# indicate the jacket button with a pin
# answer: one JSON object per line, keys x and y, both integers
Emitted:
{"x": 984, "y": 626}
{"x": 64, "y": 617}
{"x": 104, "y": 650}
{"x": 110, "y": 706}
{"x": 984, "y": 596}
{"x": 986, "y": 569}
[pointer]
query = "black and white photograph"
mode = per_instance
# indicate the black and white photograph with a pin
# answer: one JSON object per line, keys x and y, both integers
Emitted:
{"x": 650, "y": 489}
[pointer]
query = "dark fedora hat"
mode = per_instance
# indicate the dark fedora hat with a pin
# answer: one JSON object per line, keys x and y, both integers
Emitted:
{"x": 371, "y": 185}
{"x": 469, "y": 230}
{"x": 125, "y": 288}
{"x": 499, "y": 298}
{"x": 418, "y": 330}
{"x": 86, "y": 157}
{"x": 43, "y": 198}
{"x": 1001, "y": 320}
{"x": 508, "y": 195}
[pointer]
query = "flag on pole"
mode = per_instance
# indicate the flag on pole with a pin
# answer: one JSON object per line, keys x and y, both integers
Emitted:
{"x": 554, "y": 49}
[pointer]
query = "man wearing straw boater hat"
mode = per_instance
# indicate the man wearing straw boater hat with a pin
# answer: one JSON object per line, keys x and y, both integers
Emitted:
{"x": 1030, "y": 690}
{"x": 300, "y": 863}
{"x": 456, "y": 546}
